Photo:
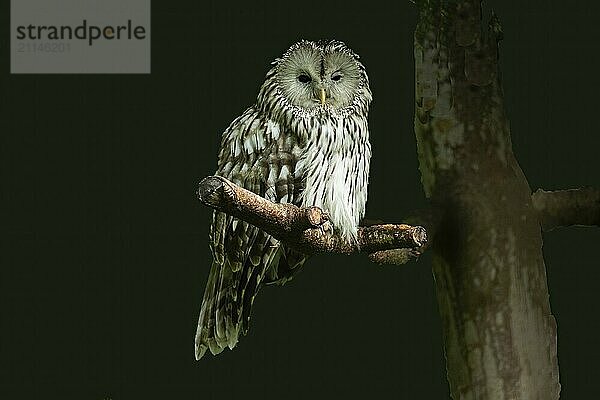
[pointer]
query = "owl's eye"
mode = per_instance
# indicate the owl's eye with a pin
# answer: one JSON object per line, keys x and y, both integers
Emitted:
{"x": 304, "y": 78}
{"x": 336, "y": 76}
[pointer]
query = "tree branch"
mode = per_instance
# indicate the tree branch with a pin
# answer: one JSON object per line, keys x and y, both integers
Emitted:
{"x": 430, "y": 219}
{"x": 567, "y": 207}
{"x": 304, "y": 228}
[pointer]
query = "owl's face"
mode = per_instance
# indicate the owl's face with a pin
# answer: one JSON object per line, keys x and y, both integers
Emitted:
{"x": 320, "y": 75}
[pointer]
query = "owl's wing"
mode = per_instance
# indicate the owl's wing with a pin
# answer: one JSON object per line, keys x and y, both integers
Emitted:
{"x": 258, "y": 156}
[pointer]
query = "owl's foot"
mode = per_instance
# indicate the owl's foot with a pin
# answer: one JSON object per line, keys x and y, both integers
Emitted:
{"x": 326, "y": 227}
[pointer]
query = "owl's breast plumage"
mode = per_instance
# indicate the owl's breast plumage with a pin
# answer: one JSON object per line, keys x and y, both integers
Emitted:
{"x": 334, "y": 167}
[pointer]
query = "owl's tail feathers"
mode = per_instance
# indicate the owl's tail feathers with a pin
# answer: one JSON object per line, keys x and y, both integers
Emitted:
{"x": 218, "y": 325}
{"x": 226, "y": 306}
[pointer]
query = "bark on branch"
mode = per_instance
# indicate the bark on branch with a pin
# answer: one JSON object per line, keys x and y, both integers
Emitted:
{"x": 567, "y": 207}
{"x": 305, "y": 228}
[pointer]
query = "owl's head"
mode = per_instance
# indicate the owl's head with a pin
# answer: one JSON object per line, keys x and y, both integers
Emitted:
{"x": 317, "y": 76}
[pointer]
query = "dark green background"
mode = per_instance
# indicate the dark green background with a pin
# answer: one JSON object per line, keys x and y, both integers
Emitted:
{"x": 104, "y": 251}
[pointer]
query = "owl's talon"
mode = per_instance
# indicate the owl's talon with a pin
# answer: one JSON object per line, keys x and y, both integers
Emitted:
{"x": 326, "y": 228}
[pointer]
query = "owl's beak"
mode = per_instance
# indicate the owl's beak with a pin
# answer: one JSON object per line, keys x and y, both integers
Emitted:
{"x": 322, "y": 96}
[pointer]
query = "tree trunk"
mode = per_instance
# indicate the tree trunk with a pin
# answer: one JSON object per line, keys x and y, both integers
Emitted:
{"x": 499, "y": 332}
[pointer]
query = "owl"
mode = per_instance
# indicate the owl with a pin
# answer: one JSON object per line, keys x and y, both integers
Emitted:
{"x": 305, "y": 141}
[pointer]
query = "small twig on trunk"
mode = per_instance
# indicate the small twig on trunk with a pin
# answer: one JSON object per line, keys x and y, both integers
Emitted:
{"x": 567, "y": 207}
{"x": 303, "y": 227}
